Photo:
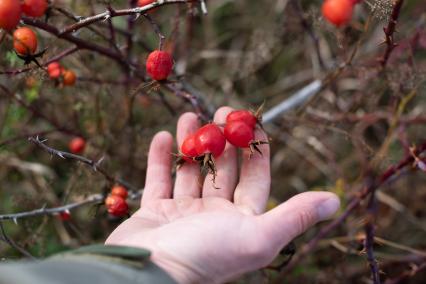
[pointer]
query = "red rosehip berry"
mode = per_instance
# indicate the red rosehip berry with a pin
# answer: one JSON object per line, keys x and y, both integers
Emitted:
{"x": 54, "y": 69}
{"x": 209, "y": 139}
{"x": 77, "y": 145}
{"x": 244, "y": 116}
{"x": 119, "y": 190}
{"x": 337, "y": 12}
{"x": 24, "y": 41}
{"x": 142, "y": 3}
{"x": 239, "y": 134}
{"x": 68, "y": 77}
{"x": 159, "y": 65}
{"x": 188, "y": 149}
{"x": 116, "y": 205}
{"x": 34, "y": 8}
{"x": 10, "y": 14}
{"x": 65, "y": 215}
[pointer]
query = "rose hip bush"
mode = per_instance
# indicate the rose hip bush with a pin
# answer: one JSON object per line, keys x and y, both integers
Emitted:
{"x": 84, "y": 86}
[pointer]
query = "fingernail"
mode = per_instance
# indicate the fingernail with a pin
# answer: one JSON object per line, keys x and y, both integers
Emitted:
{"x": 328, "y": 207}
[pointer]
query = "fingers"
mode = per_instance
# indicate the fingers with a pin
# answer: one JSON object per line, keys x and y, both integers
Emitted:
{"x": 226, "y": 165}
{"x": 158, "y": 182}
{"x": 188, "y": 176}
{"x": 252, "y": 191}
{"x": 290, "y": 219}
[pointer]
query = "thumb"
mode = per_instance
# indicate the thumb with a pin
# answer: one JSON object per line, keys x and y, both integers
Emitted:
{"x": 290, "y": 219}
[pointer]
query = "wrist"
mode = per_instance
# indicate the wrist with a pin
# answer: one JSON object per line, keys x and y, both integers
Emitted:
{"x": 179, "y": 272}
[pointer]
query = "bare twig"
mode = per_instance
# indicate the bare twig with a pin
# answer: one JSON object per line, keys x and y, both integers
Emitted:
{"x": 95, "y": 165}
{"x": 156, "y": 30}
{"x": 389, "y": 32}
{"x": 9, "y": 241}
{"x": 116, "y": 13}
{"x": 369, "y": 237}
{"x": 309, "y": 30}
{"x": 92, "y": 199}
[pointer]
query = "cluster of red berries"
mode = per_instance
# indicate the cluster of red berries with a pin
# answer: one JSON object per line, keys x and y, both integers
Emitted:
{"x": 116, "y": 201}
{"x": 338, "y": 12}
{"x": 208, "y": 142}
{"x": 77, "y": 145}
{"x": 11, "y": 11}
{"x": 60, "y": 74}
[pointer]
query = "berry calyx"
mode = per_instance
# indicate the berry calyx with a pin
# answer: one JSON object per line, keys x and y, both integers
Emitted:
{"x": 54, "y": 70}
{"x": 116, "y": 205}
{"x": 244, "y": 116}
{"x": 24, "y": 41}
{"x": 337, "y": 12}
{"x": 10, "y": 14}
{"x": 159, "y": 65}
{"x": 77, "y": 145}
{"x": 68, "y": 77}
{"x": 239, "y": 133}
{"x": 209, "y": 139}
{"x": 119, "y": 190}
{"x": 188, "y": 150}
{"x": 34, "y": 8}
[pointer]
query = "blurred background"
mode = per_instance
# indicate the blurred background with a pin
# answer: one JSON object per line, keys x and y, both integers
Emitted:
{"x": 242, "y": 53}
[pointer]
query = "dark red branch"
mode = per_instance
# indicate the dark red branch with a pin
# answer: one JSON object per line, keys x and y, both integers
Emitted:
{"x": 369, "y": 237}
{"x": 389, "y": 32}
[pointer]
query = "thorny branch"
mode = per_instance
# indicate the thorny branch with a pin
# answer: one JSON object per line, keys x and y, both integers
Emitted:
{"x": 92, "y": 199}
{"x": 115, "y": 13}
{"x": 95, "y": 165}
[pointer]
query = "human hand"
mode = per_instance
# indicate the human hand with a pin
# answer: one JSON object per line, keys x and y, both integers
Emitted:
{"x": 198, "y": 233}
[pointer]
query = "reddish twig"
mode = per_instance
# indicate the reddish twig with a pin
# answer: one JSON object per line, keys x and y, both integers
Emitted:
{"x": 415, "y": 268}
{"x": 369, "y": 237}
{"x": 389, "y": 32}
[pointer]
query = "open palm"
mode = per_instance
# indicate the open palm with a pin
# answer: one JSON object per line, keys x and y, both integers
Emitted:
{"x": 199, "y": 233}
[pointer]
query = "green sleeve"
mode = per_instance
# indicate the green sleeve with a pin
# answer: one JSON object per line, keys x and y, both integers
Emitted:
{"x": 94, "y": 264}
